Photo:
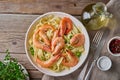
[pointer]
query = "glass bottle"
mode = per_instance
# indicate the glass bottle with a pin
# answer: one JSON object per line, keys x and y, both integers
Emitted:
{"x": 95, "y": 16}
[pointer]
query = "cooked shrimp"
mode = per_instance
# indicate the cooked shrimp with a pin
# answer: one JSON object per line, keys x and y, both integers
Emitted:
{"x": 39, "y": 44}
{"x": 55, "y": 35}
{"x": 57, "y": 44}
{"x": 41, "y": 31}
{"x": 65, "y": 26}
{"x": 77, "y": 40}
{"x": 71, "y": 61}
{"x": 46, "y": 27}
{"x": 49, "y": 62}
{"x": 44, "y": 37}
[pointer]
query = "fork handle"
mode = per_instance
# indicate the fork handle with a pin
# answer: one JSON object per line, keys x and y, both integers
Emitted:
{"x": 87, "y": 77}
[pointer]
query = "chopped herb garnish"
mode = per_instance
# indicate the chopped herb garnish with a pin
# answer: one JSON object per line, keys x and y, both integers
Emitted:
{"x": 65, "y": 40}
{"x": 78, "y": 54}
{"x": 71, "y": 36}
{"x": 70, "y": 47}
{"x": 32, "y": 50}
{"x": 42, "y": 58}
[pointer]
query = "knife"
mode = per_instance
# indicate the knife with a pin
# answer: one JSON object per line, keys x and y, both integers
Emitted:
{"x": 97, "y": 53}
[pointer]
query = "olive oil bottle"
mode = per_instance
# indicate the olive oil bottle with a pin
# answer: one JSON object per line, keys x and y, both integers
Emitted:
{"x": 95, "y": 16}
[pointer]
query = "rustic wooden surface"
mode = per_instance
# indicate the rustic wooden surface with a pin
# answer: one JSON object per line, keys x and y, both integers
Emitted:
{"x": 41, "y": 6}
{"x": 17, "y": 15}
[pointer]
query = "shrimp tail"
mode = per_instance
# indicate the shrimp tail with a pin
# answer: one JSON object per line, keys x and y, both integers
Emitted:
{"x": 49, "y": 62}
{"x": 65, "y": 26}
{"x": 72, "y": 61}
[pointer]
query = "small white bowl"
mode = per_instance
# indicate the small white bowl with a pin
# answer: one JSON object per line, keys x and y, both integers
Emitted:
{"x": 108, "y": 44}
{"x": 104, "y": 63}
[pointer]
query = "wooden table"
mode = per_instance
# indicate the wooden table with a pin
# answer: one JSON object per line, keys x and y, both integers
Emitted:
{"x": 17, "y": 15}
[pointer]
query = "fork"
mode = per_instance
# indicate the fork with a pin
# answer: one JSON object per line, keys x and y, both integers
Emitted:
{"x": 95, "y": 42}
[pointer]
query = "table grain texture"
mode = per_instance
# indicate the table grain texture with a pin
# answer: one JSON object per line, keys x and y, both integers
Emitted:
{"x": 17, "y": 15}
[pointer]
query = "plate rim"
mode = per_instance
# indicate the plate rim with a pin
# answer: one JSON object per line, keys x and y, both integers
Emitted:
{"x": 34, "y": 21}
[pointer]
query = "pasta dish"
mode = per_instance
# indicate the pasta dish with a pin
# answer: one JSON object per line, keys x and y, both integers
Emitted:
{"x": 56, "y": 43}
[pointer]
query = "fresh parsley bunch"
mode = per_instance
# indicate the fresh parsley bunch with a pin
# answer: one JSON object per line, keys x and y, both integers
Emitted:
{"x": 10, "y": 69}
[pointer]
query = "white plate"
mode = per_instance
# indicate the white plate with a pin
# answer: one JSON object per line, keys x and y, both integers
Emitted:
{"x": 83, "y": 56}
{"x": 25, "y": 72}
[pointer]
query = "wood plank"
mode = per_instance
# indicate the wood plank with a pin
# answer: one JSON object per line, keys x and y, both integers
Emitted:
{"x": 12, "y": 31}
{"x": 42, "y": 6}
{"x": 35, "y": 74}
{"x": 15, "y": 23}
{"x": 12, "y": 41}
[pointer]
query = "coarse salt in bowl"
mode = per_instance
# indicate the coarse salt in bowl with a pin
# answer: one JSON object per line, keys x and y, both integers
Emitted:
{"x": 104, "y": 63}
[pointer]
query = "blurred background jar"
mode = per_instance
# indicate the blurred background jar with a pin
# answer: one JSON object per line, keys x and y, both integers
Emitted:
{"x": 95, "y": 16}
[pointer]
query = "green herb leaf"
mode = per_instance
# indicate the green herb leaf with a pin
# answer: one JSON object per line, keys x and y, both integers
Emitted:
{"x": 10, "y": 69}
{"x": 7, "y": 57}
{"x": 70, "y": 47}
{"x": 71, "y": 36}
{"x": 78, "y": 54}
{"x": 32, "y": 50}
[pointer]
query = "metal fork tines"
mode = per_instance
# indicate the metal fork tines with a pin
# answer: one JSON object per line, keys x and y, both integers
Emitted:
{"x": 96, "y": 40}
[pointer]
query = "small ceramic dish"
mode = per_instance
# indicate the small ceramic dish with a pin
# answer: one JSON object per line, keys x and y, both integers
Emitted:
{"x": 113, "y": 46}
{"x": 104, "y": 63}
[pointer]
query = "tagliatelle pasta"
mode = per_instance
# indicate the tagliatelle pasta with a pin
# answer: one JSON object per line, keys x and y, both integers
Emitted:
{"x": 59, "y": 60}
